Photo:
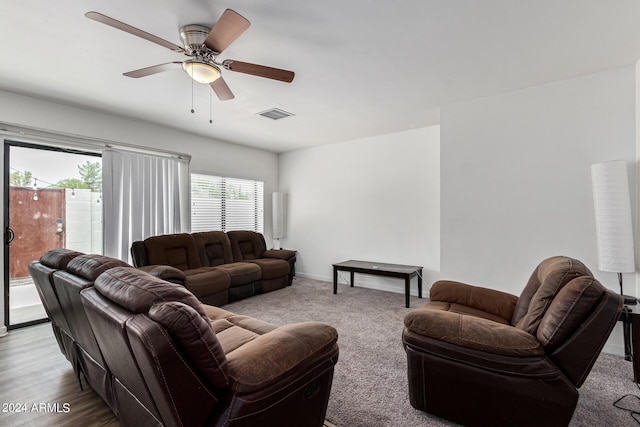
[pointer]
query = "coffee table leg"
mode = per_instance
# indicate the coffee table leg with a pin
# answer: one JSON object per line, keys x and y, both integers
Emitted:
{"x": 335, "y": 280}
{"x": 420, "y": 284}
{"x": 352, "y": 274}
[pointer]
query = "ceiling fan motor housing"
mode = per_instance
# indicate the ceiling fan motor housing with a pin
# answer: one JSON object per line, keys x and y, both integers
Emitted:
{"x": 193, "y": 37}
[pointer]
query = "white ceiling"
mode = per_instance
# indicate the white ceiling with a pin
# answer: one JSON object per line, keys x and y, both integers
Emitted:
{"x": 363, "y": 67}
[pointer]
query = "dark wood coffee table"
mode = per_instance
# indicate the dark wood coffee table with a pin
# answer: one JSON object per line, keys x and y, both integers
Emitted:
{"x": 406, "y": 272}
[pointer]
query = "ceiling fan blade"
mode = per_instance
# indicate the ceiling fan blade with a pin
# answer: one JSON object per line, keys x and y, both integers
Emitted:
{"x": 228, "y": 28}
{"x": 259, "y": 70}
{"x": 154, "y": 69}
{"x": 221, "y": 89}
{"x": 132, "y": 30}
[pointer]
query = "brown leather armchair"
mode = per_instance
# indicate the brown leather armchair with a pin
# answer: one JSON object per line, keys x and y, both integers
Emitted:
{"x": 478, "y": 356}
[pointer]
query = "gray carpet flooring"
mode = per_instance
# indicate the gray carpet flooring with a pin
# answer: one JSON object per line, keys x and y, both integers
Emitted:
{"x": 370, "y": 379}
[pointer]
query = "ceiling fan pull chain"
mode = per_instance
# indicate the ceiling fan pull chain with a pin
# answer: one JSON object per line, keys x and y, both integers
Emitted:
{"x": 210, "y": 108}
{"x": 192, "y": 110}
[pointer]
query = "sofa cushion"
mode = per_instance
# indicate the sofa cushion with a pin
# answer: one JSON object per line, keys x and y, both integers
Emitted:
{"x": 234, "y": 331}
{"x": 272, "y": 268}
{"x": 90, "y": 266}
{"x": 176, "y": 250}
{"x": 242, "y": 273}
{"x": 473, "y": 332}
{"x": 206, "y": 281}
{"x": 195, "y": 338}
{"x": 270, "y": 357}
{"x": 568, "y": 310}
{"x": 137, "y": 291}
{"x": 543, "y": 286}
{"x": 58, "y": 258}
{"x": 214, "y": 248}
{"x": 246, "y": 245}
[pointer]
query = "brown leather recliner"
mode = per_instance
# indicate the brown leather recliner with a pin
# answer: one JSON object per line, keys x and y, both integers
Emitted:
{"x": 184, "y": 366}
{"x": 480, "y": 357}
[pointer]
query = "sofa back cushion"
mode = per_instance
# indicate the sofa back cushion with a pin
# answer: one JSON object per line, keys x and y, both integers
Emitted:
{"x": 173, "y": 307}
{"x": 560, "y": 294}
{"x": 137, "y": 291}
{"x": 545, "y": 281}
{"x": 568, "y": 310}
{"x": 214, "y": 248}
{"x": 58, "y": 258}
{"x": 246, "y": 245}
{"x": 196, "y": 339}
{"x": 177, "y": 250}
{"x": 90, "y": 266}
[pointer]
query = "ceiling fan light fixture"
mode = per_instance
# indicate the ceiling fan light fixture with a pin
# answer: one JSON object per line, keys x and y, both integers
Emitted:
{"x": 201, "y": 71}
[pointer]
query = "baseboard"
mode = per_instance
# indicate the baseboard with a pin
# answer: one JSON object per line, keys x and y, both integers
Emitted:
{"x": 313, "y": 276}
{"x": 615, "y": 349}
{"x": 3, "y": 331}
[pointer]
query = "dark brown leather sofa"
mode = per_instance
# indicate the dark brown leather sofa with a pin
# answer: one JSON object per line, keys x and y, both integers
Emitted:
{"x": 214, "y": 267}
{"x": 482, "y": 357}
{"x": 209, "y": 368}
{"x": 158, "y": 356}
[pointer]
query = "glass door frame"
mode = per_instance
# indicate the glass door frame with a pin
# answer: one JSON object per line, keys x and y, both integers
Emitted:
{"x": 8, "y": 143}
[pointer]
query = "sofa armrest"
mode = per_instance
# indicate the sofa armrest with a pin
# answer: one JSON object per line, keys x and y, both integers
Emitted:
{"x": 279, "y": 253}
{"x": 491, "y": 301}
{"x": 165, "y": 272}
{"x": 274, "y": 356}
{"x": 473, "y": 332}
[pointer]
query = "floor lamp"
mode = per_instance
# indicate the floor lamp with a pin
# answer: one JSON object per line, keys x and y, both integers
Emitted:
{"x": 278, "y": 218}
{"x": 614, "y": 229}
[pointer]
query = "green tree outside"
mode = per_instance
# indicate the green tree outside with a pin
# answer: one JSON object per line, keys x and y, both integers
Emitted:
{"x": 20, "y": 179}
{"x": 91, "y": 174}
{"x": 90, "y": 177}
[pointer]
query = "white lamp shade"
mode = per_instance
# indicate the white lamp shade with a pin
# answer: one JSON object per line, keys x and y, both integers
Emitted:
{"x": 278, "y": 215}
{"x": 612, "y": 204}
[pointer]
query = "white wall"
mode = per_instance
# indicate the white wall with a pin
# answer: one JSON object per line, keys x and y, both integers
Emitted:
{"x": 516, "y": 184}
{"x": 83, "y": 221}
{"x": 373, "y": 199}
{"x": 208, "y": 155}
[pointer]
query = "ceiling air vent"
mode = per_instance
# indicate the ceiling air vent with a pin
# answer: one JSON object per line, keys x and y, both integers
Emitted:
{"x": 275, "y": 114}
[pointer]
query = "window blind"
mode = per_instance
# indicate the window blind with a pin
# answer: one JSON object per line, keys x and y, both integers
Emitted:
{"x": 222, "y": 203}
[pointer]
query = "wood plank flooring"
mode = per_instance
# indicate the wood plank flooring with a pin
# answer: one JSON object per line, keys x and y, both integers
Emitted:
{"x": 36, "y": 379}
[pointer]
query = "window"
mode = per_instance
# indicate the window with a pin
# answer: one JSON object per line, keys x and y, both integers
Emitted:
{"x": 220, "y": 203}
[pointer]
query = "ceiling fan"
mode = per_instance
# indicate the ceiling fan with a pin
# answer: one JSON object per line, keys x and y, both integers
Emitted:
{"x": 202, "y": 45}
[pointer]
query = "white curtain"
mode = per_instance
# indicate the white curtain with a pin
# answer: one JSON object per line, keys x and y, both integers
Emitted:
{"x": 144, "y": 196}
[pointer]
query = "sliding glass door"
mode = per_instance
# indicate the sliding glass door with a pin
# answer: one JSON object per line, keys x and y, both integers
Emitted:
{"x": 52, "y": 200}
